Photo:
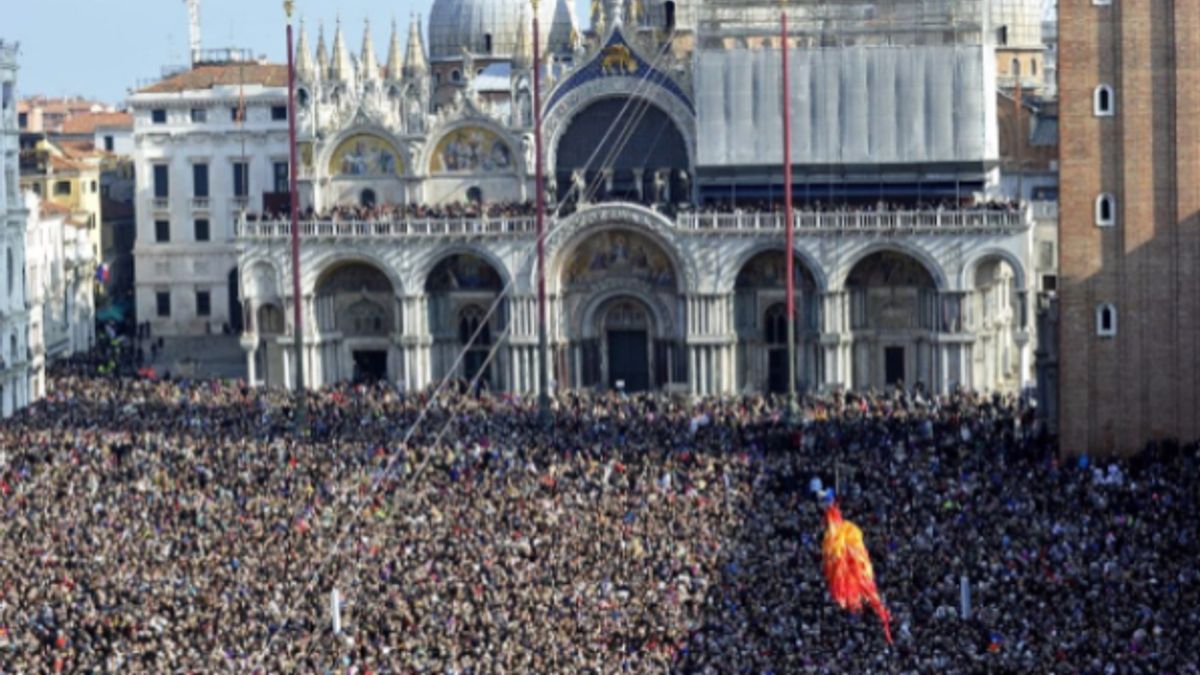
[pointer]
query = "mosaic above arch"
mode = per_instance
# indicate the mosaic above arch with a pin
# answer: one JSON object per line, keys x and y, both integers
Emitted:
{"x": 618, "y": 59}
{"x": 890, "y": 268}
{"x": 472, "y": 150}
{"x": 619, "y": 253}
{"x": 769, "y": 270}
{"x": 365, "y": 155}
{"x": 463, "y": 271}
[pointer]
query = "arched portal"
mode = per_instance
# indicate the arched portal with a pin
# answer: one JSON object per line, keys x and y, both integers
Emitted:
{"x": 466, "y": 316}
{"x": 893, "y": 319}
{"x": 994, "y": 314}
{"x": 357, "y": 316}
{"x": 619, "y": 292}
{"x": 760, "y": 294}
{"x": 643, "y": 160}
{"x": 236, "y": 323}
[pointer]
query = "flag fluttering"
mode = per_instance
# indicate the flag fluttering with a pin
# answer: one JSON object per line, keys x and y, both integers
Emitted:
{"x": 848, "y": 568}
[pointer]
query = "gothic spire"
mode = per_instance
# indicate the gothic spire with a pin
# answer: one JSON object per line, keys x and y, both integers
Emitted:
{"x": 342, "y": 68}
{"x": 523, "y": 54}
{"x": 304, "y": 64}
{"x": 370, "y": 64}
{"x": 395, "y": 66}
{"x": 322, "y": 53}
{"x": 415, "y": 64}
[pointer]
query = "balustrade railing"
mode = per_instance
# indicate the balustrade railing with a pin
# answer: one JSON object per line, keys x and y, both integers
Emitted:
{"x": 269, "y": 229}
{"x": 965, "y": 220}
{"x": 849, "y": 221}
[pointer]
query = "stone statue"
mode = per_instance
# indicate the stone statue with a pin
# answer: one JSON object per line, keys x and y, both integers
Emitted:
{"x": 524, "y": 108}
{"x": 468, "y": 66}
{"x": 660, "y": 187}
{"x": 416, "y": 116}
{"x": 685, "y": 186}
{"x": 579, "y": 184}
{"x": 527, "y": 150}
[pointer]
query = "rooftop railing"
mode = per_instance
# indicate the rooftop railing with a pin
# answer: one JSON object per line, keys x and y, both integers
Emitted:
{"x": 417, "y": 227}
{"x": 870, "y": 221}
{"x": 933, "y": 220}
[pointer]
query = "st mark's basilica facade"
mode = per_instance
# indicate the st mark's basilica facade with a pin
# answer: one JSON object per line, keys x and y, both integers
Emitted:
{"x": 665, "y": 240}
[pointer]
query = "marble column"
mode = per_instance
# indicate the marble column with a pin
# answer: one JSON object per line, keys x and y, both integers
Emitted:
{"x": 252, "y": 366}
{"x": 287, "y": 367}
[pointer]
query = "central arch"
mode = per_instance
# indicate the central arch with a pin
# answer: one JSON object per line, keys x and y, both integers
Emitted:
{"x": 356, "y": 318}
{"x": 620, "y": 294}
{"x": 650, "y": 166}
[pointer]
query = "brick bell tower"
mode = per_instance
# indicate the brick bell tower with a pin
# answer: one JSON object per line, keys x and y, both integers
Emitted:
{"x": 1129, "y": 228}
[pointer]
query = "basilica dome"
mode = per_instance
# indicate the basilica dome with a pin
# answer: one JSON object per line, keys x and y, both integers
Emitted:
{"x": 490, "y": 27}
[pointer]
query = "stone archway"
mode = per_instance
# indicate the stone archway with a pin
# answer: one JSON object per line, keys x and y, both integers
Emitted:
{"x": 760, "y": 293}
{"x": 468, "y": 313}
{"x": 357, "y": 318}
{"x": 894, "y": 318}
{"x": 625, "y": 328}
{"x": 649, "y": 165}
{"x": 994, "y": 313}
{"x": 261, "y": 314}
{"x": 619, "y": 290}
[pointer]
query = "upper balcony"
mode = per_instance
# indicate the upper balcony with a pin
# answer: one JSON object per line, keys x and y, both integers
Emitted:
{"x": 970, "y": 220}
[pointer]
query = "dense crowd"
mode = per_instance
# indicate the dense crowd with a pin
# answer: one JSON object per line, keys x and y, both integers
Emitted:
{"x": 166, "y": 526}
{"x": 400, "y": 212}
{"x": 453, "y": 210}
{"x": 817, "y": 205}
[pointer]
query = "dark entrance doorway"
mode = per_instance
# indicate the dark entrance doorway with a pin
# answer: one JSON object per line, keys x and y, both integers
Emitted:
{"x": 893, "y": 364}
{"x": 628, "y": 361}
{"x": 235, "y": 304}
{"x": 370, "y": 365}
{"x": 475, "y": 363}
{"x": 777, "y": 371}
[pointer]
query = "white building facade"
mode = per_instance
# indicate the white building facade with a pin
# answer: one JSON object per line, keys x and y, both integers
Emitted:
{"x": 665, "y": 246}
{"x": 14, "y": 317}
{"x": 60, "y": 268}
{"x": 208, "y": 144}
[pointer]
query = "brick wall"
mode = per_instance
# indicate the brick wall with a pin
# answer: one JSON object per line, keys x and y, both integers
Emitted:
{"x": 1118, "y": 393}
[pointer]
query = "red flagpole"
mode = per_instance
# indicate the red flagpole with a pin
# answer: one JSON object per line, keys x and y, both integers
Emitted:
{"x": 294, "y": 212}
{"x": 787, "y": 213}
{"x": 540, "y": 200}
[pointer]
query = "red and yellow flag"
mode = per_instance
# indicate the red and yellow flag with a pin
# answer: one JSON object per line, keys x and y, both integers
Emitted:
{"x": 848, "y": 568}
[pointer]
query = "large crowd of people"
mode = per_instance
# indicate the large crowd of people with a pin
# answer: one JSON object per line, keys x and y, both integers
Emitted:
{"x": 404, "y": 212}
{"x": 519, "y": 209}
{"x": 167, "y": 525}
{"x": 818, "y": 205}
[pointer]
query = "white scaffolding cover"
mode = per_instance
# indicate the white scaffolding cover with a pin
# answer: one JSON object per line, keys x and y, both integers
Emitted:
{"x": 863, "y": 104}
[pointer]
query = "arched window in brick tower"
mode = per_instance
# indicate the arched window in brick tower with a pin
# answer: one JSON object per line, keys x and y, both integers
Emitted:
{"x": 1106, "y": 319}
{"x": 1106, "y": 210}
{"x": 1103, "y": 101}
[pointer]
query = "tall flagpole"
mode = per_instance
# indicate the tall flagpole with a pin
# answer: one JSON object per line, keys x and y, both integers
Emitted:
{"x": 789, "y": 255}
{"x": 543, "y": 355}
{"x": 294, "y": 212}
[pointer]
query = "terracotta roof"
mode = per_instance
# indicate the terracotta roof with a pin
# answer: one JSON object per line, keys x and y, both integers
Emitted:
{"x": 64, "y": 164}
{"x": 51, "y": 209}
{"x": 78, "y": 149}
{"x": 87, "y": 123}
{"x": 56, "y": 106}
{"x": 209, "y": 76}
